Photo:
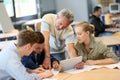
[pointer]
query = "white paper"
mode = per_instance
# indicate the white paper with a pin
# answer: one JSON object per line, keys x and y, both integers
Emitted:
{"x": 91, "y": 67}
{"x": 69, "y": 63}
{"x": 86, "y": 68}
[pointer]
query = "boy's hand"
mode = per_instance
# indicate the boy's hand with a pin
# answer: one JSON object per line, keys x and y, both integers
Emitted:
{"x": 55, "y": 65}
{"x": 45, "y": 74}
{"x": 37, "y": 70}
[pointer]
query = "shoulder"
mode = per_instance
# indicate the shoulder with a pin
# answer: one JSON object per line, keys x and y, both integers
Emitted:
{"x": 99, "y": 43}
{"x": 48, "y": 16}
{"x": 78, "y": 45}
{"x": 92, "y": 18}
{"x": 49, "y": 19}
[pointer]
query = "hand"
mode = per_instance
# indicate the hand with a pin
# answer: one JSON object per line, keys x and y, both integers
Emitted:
{"x": 79, "y": 65}
{"x": 55, "y": 65}
{"x": 37, "y": 70}
{"x": 47, "y": 63}
{"x": 114, "y": 24}
{"x": 45, "y": 74}
{"x": 90, "y": 62}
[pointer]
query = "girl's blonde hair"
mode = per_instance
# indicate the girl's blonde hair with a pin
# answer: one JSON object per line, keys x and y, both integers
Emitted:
{"x": 86, "y": 26}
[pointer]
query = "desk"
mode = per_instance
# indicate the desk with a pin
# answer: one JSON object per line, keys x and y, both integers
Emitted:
{"x": 8, "y": 36}
{"x": 4, "y": 43}
{"x": 62, "y": 76}
{"x": 5, "y": 35}
{"x": 113, "y": 29}
{"x": 98, "y": 74}
{"x": 110, "y": 40}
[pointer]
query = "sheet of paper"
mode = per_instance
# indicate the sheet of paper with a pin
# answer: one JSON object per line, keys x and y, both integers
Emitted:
{"x": 113, "y": 65}
{"x": 69, "y": 63}
{"x": 88, "y": 68}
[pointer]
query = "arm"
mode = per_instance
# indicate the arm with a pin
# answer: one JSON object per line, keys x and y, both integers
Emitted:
{"x": 54, "y": 63}
{"x": 46, "y": 33}
{"x": 14, "y": 67}
{"x": 108, "y": 56}
{"x": 71, "y": 50}
{"x": 70, "y": 44}
{"x": 100, "y": 62}
{"x": 28, "y": 62}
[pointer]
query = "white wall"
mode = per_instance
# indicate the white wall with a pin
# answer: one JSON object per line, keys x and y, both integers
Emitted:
{"x": 78, "y": 7}
{"x": 4, "y": 19}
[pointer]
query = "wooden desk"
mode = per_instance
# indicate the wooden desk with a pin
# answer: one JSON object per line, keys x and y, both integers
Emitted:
{"x": 110, "y": 40}
{"x": 98, "y": 74}
{"x": 62, "y": 76}
{"x": 5, "y": 35}
{"x": 8, "y": 36}
{"x": 4, "y": 43}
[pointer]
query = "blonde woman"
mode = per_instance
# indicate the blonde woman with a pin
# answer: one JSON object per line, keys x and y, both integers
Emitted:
{"x": 92, "y": 51}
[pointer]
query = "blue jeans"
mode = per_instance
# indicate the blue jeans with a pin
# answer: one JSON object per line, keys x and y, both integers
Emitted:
{"x": 106, "y": 33}
{"x": 59, "y": 55}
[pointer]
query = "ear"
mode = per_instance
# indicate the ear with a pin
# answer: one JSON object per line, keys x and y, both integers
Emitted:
{"x": 88, "y": 32}
{"x": 28, "y": 46}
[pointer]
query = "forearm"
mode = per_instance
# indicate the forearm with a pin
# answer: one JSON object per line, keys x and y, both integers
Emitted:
{"x": 47, "y": 45}
{"x": 71, "y": 50}
{"x": 72, "y": 53}
{"x": 47, "y": 50}
{"x": 105, "y": 61}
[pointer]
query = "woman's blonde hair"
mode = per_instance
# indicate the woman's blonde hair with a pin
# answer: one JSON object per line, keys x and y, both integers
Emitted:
{"x": 86, "y": 26}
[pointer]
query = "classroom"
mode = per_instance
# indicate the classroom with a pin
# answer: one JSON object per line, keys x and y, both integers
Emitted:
{"x": 59, "y": 39}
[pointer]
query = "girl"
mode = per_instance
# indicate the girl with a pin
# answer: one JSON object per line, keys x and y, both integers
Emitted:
{"x": 92, "y": 51}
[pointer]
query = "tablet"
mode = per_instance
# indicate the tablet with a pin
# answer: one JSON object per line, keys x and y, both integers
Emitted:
{"x": 69, "y": 63}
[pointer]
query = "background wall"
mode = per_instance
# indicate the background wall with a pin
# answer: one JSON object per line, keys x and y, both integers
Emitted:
{"x": 78, "y": 7}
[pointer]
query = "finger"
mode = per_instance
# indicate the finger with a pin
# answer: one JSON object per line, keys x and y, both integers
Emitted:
{"x": 42, "y": 70}
{"x": 45, "y": 66}
{"x": 49, "y": 67}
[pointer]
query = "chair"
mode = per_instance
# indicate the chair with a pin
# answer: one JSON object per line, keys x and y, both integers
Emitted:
{"x": 29, "y": 28}
{"x": 38, "y": 26}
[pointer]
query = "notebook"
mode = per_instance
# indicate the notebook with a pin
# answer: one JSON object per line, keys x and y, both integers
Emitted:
{"x": 69, "y": 63}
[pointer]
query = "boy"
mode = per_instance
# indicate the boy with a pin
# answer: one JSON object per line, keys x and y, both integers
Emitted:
{"x": 10, "y": 58}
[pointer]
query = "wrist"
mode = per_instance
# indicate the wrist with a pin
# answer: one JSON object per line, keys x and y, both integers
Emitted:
{"x": 97, "y": 62}
{"x": 47, "y": 56}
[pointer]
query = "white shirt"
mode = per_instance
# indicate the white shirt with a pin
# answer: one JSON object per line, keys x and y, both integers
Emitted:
{"x": 58, "y": 38}
{"x": 11, "y": 66}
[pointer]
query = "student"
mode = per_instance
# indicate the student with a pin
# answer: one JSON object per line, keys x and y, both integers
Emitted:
{"x": 58, "y": 33}
{"x": 92, "y": 51}
{"x": 36, "y": 58}
{"x": 10, "y": 59}
{"x": 99, "y": 25}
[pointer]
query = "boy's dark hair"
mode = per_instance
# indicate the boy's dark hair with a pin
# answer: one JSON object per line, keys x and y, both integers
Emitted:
{"x": 27, "y": 36}
{"x": 41, "y": 37}
{"x": 96, "y": 8}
